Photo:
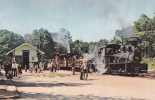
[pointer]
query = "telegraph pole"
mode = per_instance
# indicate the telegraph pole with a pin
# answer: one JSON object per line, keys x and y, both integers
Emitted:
{"x": 39, "y": 40}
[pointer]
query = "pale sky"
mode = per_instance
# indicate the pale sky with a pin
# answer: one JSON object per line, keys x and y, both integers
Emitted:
{"x": 87, "y": 20}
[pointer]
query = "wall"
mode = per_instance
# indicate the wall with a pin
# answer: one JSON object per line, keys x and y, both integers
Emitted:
{"x": 32, "y": 52}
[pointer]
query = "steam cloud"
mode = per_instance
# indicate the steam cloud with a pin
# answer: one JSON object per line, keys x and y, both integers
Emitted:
{"x": 129, "y": 32}
{"x": 118, "y": 38}
{"x": 60, "y": 37}
{"x": 97, "y": 61}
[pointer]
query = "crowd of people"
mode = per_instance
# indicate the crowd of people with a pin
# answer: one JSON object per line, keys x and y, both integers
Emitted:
{"x": 14, "y": 68}
{"x": 39, "y": 68}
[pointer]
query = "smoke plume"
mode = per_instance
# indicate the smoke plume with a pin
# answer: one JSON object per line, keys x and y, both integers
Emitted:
{"x": 118, "y": 38}
{"x": 61, "y": 38}
{"x": 129, "y": 32}
{"x": 98, "y": 61}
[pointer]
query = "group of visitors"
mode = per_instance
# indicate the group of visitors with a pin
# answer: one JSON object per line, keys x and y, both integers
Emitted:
{"x": 84, "y": 71}
{"x": 84, "y": 68}
{"x": 13, "y": 68}
{"x": 39, "y": 68}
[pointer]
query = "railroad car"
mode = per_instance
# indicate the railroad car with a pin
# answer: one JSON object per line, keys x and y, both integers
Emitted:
{"x": 65, "y": 60}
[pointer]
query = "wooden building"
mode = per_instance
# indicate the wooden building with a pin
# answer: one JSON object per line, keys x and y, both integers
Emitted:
{"x": 26, "y": 53}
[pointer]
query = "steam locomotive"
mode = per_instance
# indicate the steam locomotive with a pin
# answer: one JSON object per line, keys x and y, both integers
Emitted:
{"x": 123, "y": 59}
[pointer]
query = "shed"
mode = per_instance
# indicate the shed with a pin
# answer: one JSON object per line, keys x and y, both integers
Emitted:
{"x": 26, "y": 53}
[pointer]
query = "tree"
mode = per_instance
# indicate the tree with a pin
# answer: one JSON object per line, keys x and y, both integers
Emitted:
{"x": 144, "y": 23}
{"x": 27, "y": 38}
{"x": 79, "y": 47}
{"x": 42, "y": 39}
{"x": 8, "y": 41}
{"x": 144, "y": 29}
{"x": 102, "y": 42}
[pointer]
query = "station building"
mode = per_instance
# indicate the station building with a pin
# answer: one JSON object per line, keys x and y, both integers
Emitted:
{"x": 26, "y": 53}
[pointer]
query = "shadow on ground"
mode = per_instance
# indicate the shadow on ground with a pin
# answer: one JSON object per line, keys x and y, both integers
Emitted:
{"x": 41, "y": 96}
{"x": 4, "y": 94}
{"x": 43, "y": 84}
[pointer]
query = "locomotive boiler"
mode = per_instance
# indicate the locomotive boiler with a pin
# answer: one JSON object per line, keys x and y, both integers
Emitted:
{"x": 123, "y": 59}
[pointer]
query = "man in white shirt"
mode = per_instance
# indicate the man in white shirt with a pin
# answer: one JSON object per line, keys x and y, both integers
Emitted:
{"x": 14, "y": 70}
{"x": 31, "y": 66}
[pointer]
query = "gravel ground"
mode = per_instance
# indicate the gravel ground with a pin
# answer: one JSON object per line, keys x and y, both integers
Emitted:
{"x": 62, "y": 85}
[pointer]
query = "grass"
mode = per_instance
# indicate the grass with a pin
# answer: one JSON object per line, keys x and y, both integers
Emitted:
{"x": 50, "y": 75}
{"x": 150, "y": 62}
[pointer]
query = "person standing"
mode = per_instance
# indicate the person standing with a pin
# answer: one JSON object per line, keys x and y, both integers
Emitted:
{"x": 73, "y": 66}
{"x": 85, "y": 70}
{"x": 19, "y": 70}
{"x": 16, "y": 68}
{"x": 49, "y": 66}
{"x": 13, "y": 68}
{"x": 31, "y": 66}
{"x": 9, "y": 67}
{"x": 55, "y": 66}
{"x": 36, "y": 68}
{"x": 82, "y": 70}
{"x": 41, "y": 67}
{"x": 6, "y": 69}
{"x": 58, "y": 65}
{"x": 45, "y": 66}
{"x": 25, "y": 68}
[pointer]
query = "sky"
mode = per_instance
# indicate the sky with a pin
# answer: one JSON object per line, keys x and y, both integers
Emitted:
{"x": 87, "y": 20}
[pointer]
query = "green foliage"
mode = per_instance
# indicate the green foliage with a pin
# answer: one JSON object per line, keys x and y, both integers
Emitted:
{"x": 42, "y": 39}
{"x": 144, "y": 29}
{"x": 150, "y": 61}
{"x": 8, "y": 41}
{"x": 144, "y": 23}
{"x": 79, "y": 47}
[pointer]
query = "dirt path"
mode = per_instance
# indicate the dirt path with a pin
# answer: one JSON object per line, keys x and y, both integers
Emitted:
{"x": 65, "y": 86}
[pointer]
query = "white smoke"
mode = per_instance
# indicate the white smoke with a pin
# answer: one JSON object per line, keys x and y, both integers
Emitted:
{"x": 98, "y": 61}
{"x": 100, "y": 65}
{"x": 129, "y": 32}
{"x": 60, "y": 37}
{"x": 118, "y": 38}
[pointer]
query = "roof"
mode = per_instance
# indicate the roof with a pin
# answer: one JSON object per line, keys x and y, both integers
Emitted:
{"x": 41, "y": 52}
{"x": 111, "y": 46}
{"x": 114, "y": 46}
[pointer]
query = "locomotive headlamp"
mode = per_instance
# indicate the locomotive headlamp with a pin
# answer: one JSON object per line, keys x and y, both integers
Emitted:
{"x": 137, "y": 58}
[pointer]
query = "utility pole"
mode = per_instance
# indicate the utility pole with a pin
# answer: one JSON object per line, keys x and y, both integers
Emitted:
{"x": 39, "y": 46}
{"x": 39, "y": 40}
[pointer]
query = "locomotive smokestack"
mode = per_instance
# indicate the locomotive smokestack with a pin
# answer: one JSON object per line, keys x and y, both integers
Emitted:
{"x": 134, "y": 41}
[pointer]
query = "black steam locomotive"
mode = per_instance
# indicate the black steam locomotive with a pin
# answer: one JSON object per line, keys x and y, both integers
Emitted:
{"x": 123, "y": 59}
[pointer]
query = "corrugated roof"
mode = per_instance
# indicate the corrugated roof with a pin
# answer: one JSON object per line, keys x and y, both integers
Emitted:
{"x": 41, "y": 52}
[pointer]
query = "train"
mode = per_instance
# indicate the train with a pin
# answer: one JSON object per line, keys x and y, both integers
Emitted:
{"x": 65, "y": 60}
{"x": 118, "y": 59}
{"x": 123, "y": 59}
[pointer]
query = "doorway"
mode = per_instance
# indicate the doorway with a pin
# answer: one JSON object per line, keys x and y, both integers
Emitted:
{"x": 26, "y": 59}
